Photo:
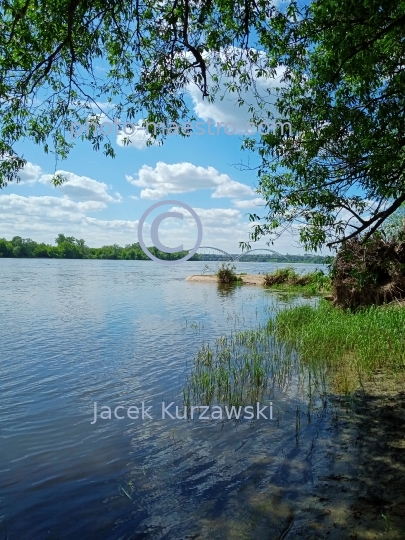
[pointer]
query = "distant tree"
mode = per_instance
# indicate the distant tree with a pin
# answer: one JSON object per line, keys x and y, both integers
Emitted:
{"x": 62, "y": 238}
{"x": 42, "y": 251}
{"x": 23, "y": 247}
{"x": 6, "y": 248}
{"x": 68, "y": 250}
{"x": 80, "y": 242}
{"x": 16, "y": 240}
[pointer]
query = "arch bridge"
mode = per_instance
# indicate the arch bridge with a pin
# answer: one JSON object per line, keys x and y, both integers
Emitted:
{"x": 222, "y": 255}
{"x": 213, "y": 251}
{"x": 262, "y": 252}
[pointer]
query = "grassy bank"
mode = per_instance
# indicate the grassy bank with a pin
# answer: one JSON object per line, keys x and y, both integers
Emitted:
{"x": 287, "y": 279}
{"x": 350, "y": 345}
{"x": 326, "y": 349}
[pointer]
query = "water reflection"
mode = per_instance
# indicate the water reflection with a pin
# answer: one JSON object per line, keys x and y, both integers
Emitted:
{"x": 226, "y": 289}
{"x": 119, "y": 333}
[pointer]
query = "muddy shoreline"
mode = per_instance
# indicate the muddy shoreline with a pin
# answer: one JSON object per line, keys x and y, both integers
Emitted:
{"x": 356, "y": 480}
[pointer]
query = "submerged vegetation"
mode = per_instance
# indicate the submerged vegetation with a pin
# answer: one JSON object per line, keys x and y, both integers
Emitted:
{"x": 239, "y": 370}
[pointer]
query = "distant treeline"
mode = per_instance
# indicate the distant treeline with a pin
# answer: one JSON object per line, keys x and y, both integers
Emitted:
{"x": 254, "y": 257}
{"x": 68, "y": 247}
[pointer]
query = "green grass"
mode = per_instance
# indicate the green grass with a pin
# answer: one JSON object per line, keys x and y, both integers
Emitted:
{"x": 238, "y": 370}
{"x": 323, "y": 348}
{"x": 288, "y": 280}
{"x": 350, "y": 345}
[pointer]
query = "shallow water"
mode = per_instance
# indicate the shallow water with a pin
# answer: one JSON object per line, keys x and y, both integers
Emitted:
{"x": 118, "y": 333}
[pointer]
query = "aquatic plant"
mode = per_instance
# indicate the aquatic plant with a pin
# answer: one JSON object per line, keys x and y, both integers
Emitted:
{"x": 317, "y": 350}
{"x": 349, "y": 345}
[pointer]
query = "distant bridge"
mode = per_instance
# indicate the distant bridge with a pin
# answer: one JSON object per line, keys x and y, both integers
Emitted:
{"x": 223, "y": 255}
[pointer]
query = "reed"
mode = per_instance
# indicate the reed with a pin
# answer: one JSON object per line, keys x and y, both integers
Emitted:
{"x": 349, "y": 346}
{"x": 311, "y": 350}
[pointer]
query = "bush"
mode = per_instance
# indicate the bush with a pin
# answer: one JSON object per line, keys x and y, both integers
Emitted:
{"x": 280, "y": 276}
{"x": 226, "y": 273}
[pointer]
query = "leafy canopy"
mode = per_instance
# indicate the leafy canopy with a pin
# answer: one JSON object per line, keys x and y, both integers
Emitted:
{"x": 338, "y": 176}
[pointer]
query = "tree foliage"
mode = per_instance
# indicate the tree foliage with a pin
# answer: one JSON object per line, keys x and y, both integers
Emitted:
{"x": 340, "y": 174}
{"x": 68, "y": 247}
{"x": 50, "y": 51}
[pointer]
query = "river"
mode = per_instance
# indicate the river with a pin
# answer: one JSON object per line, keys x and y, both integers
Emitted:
{"x": 120, "y": 333}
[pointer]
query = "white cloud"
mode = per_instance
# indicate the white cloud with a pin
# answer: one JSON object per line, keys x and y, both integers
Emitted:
{"x": 76, "y": 188}
{"x": 42, "y": 218}
{"x": 186, "y": 177}
{"x": 138, "y": 139}
{"x": 30, "y": 173}
{"x": 82, "y": 188}
{"x": 226, "y": 108}
{"x": 250, "y": 203}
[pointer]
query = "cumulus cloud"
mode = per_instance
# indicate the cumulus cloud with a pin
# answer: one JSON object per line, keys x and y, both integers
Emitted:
{"x": 30, "y": 173}
{"x": 249, "y": 203}
{"x": 76, "y": 188}
{"x": 222, "y": 227}
{"x": 136, "y": 135}
{"x": 82, "y": 188}
{"x": 226, "y": 108}
{"x": 42, "y": 218}
{"x": 185, "y": 177}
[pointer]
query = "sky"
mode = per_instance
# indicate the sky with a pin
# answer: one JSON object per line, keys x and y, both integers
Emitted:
{"x": 104, "y": 198}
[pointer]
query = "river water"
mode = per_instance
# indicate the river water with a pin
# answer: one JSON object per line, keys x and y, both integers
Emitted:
{"x": 120, "y": 333}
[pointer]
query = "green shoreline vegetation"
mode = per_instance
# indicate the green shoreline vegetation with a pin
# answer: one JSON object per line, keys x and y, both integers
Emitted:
{"x": 68, "y": 247}
{"x": 288, "y": 280}
{"x": 282, "y": 279}
{"x": 329, "y": 349}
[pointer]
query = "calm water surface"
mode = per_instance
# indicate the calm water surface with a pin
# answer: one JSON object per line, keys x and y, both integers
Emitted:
{"x": 118, "y": 333}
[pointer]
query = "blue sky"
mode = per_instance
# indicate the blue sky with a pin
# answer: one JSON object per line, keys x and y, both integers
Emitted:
{"x": 104, "y": 198}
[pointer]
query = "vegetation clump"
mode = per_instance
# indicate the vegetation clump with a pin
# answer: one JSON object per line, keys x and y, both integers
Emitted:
{"x": 369, "y": 273}
{"x": 324, "y": 349}
{"x": 226, "y": 273}
{"x": 344, "y": 345}
{"x": 239, "y": 370}
{"x": 289, "y": 279}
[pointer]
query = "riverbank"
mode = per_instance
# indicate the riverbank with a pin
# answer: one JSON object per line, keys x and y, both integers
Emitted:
{"x": 359, "y": 465}
{"x": 346, "y": 480}
{"x": 357, "y": 468}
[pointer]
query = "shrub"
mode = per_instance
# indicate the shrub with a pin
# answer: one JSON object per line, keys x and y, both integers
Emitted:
{"x": 226, "y": 273}
{"x": 280, "y": 276}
